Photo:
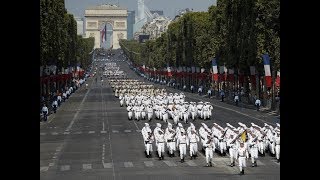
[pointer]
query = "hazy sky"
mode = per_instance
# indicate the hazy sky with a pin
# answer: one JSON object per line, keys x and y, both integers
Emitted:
{"x": 170, "y": 7}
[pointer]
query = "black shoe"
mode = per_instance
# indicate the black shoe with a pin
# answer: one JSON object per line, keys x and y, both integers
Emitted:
{"x": 242, "y": 171}
{"x": 210, "y": 164}
{"x": 181, "y": 161}
{"x": 194, "y": 157}
{"x": 162, "y": 157}
{"x": 159, "y": 158}
{"x": 278, "y": 160}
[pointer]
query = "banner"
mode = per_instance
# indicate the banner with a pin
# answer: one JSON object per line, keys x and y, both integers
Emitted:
{"x": 267, "y": 71}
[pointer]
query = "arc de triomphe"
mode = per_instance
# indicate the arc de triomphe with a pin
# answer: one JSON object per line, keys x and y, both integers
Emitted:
{"x": 113, "y": 16}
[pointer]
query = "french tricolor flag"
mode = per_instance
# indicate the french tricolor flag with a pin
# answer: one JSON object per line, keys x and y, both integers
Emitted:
{"x": 267, "y": 72}
{"x": 103, "y": 33}
{"x": 215, "y": 69}
{"x": 278, "y": 79}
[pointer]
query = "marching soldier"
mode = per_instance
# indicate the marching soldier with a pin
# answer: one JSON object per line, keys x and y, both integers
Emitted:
{"x": 160, "y": 141}
{"x": 183, "y": 142}
{"x": 232, "y": 150}
{"x": 277, "y": 148}
{"x": 209, "y": 145}
{"x": 170, "y": 139}
{"x": 194, "y": 139}
{"x": 242, "y": 156}
{"x": 253, "y": 150}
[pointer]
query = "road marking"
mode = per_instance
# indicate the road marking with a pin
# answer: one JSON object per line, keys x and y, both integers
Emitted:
{"x": 103, "y": 132}
{"x": 107, "y": 165}
{"x": 44, "y": 168}
{"x": 42, "y": 134}
{"x": 115, "y": 131}
{"x": 78, "y": 132}
{"x": 191, "y": 163}
{"x": 127, "y": 131}
{"x": 148, "y": 163}
{"x": 170, "y": 163}
{"x": 128, "y": 164}
{"x": 260, "y": 163}
{"x": 275, "y": 161}
{"x": 54, "y": 157}
{"x": 54, "y": 133}
{"x": 51, "y": 164}
{"x": 91, "y": 132}
{"x": 138, "y": 130}
{"x": 65, "y": 168}
{"x": 66, "y": 133}
{"x": 116, "y": 125}
{"x": 86, "y": 166}
{"x": 76, "y": 115}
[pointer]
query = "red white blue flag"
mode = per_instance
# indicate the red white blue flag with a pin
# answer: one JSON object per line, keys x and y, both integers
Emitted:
{"x": 267, "y": 71}
{"x": 215, "y": 69}
{"x": 103, "y": 33}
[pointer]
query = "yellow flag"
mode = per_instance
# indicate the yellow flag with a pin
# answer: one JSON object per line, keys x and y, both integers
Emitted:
{"x": 244, "y": 136}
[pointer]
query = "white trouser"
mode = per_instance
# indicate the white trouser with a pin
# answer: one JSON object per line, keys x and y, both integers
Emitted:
{"x": 261, "y": 147}
{"x": 272, "y": 146}
{"x": 183, "y": 150}
{"x": 160, "y": 115}
{"x": 121, "y": 102}
{"x": 143, "y": 114}
{"x": 157, "y": 114}
{"x": 223, "y": 146}
{"x": 185, "y": 116}
{"x": 171, "y": 147}
{"x": 149, "y": 148}
{"x": 150, "y": 115}
{"x": 130, "y": 114}
{"x": 193, "y": 148}
{"x": 233, "y": 154}
{"x": 137, "y": 114}
{"x": 205, "y": 114}
{"x": 193, "y": 115}
{"x": 127, "y": 103}
{"x": 176, "y": 119}
{"x": 180, "y": 115}
{"x": 278, "y": 151}
{"x": 254, "y": 154}
{"x": 160, "y": 148}
{"x": 165, "y": 117}
{"x": 242, "y": 162}
{"x": 209, "y": 154}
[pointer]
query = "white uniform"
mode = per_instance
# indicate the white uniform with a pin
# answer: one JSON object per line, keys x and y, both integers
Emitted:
{"x": 193, "y": 139}
{"x": 253, "y": 151}
{"x": 242, "y": 151}
{"x": 209, "y": 151}
{"x": 277, "y": 140}
{"x": 183, "y": 142}
{"x": 130, "y": 111}
{"x": 45, "y": 109}
{"x": 233, "y": 152}
{"x": 171, "y": 142}
{"x": 160, "y": 140}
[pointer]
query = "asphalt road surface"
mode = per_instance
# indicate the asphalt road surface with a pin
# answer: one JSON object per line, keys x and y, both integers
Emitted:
{"x": 91, "y": 138}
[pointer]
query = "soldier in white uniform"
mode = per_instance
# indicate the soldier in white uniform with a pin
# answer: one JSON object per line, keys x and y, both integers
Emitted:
{"x": 170, "y": 136}
{"x": 130, "y": 111}
{"x": 194, "y": 139}
{"x": 150, "y": 112}
{"x": 277, "y": 148}
{"x": 253, "y": 150}
{"x": 242, "y": 156}
{"x": 182, "y": 142}
{"x": 233, "y": 149}
{"x": 209, "y": 145}
{"x": 148, "y": 139}
{"x": 160, "y": 141}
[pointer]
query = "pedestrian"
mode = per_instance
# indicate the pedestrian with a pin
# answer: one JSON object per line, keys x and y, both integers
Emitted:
{"x": 236, "y": 99}
{"x": 191, "y": 88}
{"x": 258, "y": 104}
{"x": 45, "y": 112}
{"x": 222, "y": 95}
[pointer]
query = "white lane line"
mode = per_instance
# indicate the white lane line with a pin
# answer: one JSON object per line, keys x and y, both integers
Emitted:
{"x": 51, "y": 164}
{"x": 191, "y": 163}
{"x": 44, "y": 168}
{"x": 115, "y": 131}
{"x": 127, "y": 131}
{"x": 42, "y": 134}
{"x": 170, "y": 163}
{"x": 86, "y": 166}
{"x": 103, "y": 132}
{"x": 107, "y": 165}
{"x": 138, "y": 130}
{"x": 78, "y": 110}
{"x": 109, "y": 135}
{"x": 148, "y": 163}
{"x": 66, "y": 133}
{"x": 91, "y": 132}
{"x": 54, "y": 133}
{"x": 78, "y": 132}
{"x": 65, "y": 168}
{"x": 128, "y": 164}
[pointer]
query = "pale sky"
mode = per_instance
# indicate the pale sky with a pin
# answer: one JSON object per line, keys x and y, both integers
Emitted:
{"x": 170, "y": 7}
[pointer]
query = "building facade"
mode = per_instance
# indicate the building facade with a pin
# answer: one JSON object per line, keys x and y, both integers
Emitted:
{"x": 111, "y": 16}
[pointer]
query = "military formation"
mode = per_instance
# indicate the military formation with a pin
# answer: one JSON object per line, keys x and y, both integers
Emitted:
{"x": 146, "y": 102}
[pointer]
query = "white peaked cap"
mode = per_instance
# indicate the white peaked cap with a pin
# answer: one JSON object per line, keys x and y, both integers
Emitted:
{"x": 146, "y": 124}
{"x": 192, "y": 125}
{"x": 180, "y": 125}
{"x": 158, "y": 125}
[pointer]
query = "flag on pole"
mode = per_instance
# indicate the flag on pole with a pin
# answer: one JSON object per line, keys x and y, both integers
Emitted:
{"x": 215, "y": 69}
{"x": 104, "y": 34}
{"x": 267, "y": 72}
{"x": 243, "y": 136}
{"x": 278, "y": 79}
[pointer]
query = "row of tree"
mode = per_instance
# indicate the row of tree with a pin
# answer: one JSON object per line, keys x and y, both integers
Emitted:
{"x": 236, "y": 32}
{"x": 59, "y": 43}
